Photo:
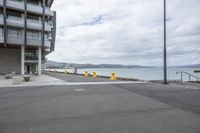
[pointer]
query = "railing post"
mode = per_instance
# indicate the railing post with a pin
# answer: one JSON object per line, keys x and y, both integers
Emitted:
{"x": 181, "y": 77}
{"x": 189, "y": 76}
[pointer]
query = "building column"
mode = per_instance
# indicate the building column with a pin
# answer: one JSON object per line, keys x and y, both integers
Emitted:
{"x": 36, "y": 68}
{"x": 22, "y": 60}
{"x": 39, "y": 60}
{"x": 5, "y": 22}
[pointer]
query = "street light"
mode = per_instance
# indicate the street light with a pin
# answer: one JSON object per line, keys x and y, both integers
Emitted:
{"x": 165, "y": 49}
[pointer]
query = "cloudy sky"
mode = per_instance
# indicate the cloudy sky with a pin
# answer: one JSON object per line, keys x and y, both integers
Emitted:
{"x": 126, "y": 31}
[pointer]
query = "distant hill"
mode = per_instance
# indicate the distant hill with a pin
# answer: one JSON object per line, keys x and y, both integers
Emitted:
{"x": 189, "y": 66}
{"x": 61, "y": 65}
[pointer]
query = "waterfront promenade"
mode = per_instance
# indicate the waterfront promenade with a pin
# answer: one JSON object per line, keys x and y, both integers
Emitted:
{"x": 136, "y": 107}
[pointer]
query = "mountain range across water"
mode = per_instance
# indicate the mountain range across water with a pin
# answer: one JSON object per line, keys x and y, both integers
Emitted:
{"x": 62, "y": 65}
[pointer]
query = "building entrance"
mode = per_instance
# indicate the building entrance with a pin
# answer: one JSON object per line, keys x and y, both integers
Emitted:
{"x": 28, "y": 69}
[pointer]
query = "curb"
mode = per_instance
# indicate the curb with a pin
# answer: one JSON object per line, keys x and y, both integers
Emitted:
{"x": 73, "y": 84}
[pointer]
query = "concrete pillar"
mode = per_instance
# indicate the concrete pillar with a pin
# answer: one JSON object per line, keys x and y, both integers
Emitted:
{"x": 39, "y": 60}
{"x": 36, "y": 68}
{"x": 22, "y": 60}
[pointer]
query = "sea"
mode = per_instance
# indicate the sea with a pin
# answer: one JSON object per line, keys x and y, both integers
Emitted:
{"x": 138, "y": 73}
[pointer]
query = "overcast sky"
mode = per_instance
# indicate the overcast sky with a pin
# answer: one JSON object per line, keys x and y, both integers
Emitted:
{"x": 126, "y": 31}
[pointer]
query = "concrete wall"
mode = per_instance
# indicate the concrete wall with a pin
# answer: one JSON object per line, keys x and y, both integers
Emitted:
{"x": 10, "y": 60}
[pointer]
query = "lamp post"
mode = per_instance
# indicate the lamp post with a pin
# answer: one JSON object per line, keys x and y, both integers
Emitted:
{"x": 165, "y": 49}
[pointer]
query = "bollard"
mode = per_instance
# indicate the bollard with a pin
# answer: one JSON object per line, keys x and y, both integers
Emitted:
{"x": 94, "y": 74}
{"x": 66, "y": 72}
{"x": 86, "y": 74}
{"x": 113, "y": 76}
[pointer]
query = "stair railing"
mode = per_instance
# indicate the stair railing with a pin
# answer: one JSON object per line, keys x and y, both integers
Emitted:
{"x": 189, "y": 76}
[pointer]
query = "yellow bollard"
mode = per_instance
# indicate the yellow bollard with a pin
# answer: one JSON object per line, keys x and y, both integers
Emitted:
{"x": 66, "y": 72}
{"x": 94, "y": 74}
{"x": 86, "y": 74}
{"x": 113, "y": 76}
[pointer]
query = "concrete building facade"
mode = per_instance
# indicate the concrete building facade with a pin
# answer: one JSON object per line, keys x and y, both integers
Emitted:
{"x": 27, "y": 35}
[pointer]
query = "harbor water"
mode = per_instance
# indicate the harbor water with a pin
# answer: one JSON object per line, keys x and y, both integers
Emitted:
{"x": 138, "y": 73}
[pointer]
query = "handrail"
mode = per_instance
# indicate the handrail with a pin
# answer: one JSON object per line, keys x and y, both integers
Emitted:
{"x": 189, "y": 76}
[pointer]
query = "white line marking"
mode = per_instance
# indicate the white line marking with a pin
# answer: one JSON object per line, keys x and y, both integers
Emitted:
{"x": 80, "y": 89}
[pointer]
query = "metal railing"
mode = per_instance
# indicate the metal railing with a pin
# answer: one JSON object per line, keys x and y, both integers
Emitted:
{"x": 189, "y": 76}
{"x": 30, "y": 58}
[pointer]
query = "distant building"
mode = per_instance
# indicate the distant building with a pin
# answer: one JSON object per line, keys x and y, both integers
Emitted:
{"x": 27, "y": 34}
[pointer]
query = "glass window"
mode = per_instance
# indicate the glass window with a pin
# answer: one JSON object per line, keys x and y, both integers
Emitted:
{"x": 1, "y": 30}
{"x": 34, "y": 2}
{"x": 1, "y": 13}
{"x": 34, "y": 35}
{"x": 33, "y": 19}
{"x": 18, "y": 0}
{"x": 15, "y": 33}
{"x": 15, "y": 16}
{"x": 30, "y": 55}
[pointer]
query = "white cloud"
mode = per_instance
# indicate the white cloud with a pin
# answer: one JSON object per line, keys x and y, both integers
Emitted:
{"x": 126, "y": 32}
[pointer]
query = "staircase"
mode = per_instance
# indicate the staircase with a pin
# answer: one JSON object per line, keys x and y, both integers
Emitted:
{"x": 191, "y": 84}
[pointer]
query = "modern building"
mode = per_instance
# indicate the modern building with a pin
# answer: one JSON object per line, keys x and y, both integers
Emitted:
{"x": 27, "y": 35}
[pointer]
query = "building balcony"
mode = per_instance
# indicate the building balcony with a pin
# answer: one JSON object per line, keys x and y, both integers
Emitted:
{"x": 16, "y": 22}
{"x": 34, "y": 42}
{"x": 32, "y": 8}
{"x": 12, "y": 39}
{"x": 31, "y": 60}
{"x": 19, "y": 22}
{"x": 1, "y": 19}
{"x": 1, "y": 38}
{"x": 37, "y": 25}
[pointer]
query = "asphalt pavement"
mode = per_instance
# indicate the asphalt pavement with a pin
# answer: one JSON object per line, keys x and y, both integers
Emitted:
{"x": 127, "y": 108}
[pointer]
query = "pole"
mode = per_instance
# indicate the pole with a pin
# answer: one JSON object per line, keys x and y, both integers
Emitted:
{"x": 165, "y": 49}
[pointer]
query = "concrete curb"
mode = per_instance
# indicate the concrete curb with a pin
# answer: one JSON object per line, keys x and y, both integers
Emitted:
{"x": 72, "y": 84}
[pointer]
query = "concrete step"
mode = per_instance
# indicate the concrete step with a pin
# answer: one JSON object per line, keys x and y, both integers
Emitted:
{"x": 188, "y": 85}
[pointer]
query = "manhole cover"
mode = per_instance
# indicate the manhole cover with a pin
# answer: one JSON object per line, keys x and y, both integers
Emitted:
{"x": 79, "y": 89}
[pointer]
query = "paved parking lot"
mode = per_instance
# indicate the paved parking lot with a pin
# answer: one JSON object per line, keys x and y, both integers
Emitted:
{"x": 127, "y": 108}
